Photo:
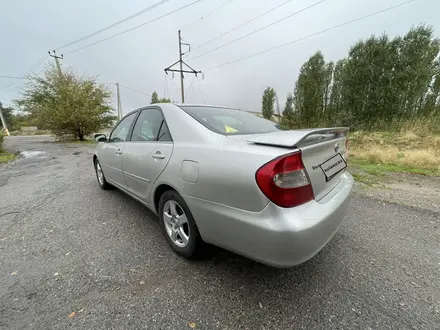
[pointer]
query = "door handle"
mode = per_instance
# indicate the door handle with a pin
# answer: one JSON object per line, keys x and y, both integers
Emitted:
{"x": 158, "y": 156}
{"x": 118, "y": 152}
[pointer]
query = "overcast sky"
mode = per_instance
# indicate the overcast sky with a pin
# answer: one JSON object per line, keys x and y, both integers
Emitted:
{"x": 136, "y": 59}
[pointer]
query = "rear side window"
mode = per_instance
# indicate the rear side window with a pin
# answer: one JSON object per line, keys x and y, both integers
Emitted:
{"x": 151, "y": 126}
{"x": 231, "y": 121}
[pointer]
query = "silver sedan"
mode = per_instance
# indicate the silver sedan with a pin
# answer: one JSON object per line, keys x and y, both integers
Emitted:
{"x": 230, "y": 178}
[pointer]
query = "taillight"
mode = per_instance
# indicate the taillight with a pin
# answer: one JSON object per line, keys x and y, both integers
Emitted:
{"x": 284, "y": 181}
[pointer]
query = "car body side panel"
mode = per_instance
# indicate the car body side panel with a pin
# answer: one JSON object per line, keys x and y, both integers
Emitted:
{"x": 225, "y": 175}
{"x": 281, "y": 237}
{"x": 142, "y": 166}
{"x": 111, "y": 162}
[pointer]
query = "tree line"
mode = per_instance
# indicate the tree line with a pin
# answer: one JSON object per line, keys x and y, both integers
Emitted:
{"x": 383, "y": 83}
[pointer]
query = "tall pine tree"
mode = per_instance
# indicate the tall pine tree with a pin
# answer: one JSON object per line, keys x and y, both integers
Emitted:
{"x": 288, "y": 114}
{"x": 267, "y": 102}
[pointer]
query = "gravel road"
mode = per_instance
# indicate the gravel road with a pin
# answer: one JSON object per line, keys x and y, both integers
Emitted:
{"x": 75, "y": 257}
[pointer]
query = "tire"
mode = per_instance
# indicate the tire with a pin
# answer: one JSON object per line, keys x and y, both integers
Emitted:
{"x": 179, "y": 227}
{"x": 103, "y": 184}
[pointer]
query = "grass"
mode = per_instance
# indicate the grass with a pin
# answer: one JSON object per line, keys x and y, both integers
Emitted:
{"x": 6, "y": 156}
{"x": 378, "y": 153}
{"x": 367, "y": 179}
{"x": 383, "y": 169}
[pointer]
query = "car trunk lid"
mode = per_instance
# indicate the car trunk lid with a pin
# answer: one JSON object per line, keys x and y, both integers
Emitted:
{"x": 324, "y": 153}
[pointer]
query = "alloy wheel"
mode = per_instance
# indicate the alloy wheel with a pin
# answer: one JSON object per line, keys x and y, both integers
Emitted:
{"x": 176, "y": 223}
{"x": 99, "y": 174}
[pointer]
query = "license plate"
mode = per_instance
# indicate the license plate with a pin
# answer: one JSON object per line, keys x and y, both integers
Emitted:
{"x": 333, "y": 166}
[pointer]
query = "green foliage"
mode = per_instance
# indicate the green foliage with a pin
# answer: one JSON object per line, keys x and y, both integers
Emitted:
{"x": 382, "y": 169}
{"x": 309, "y": 92}
{"x": 288, "y": 114}
{"x": 267, "y": 102}
{"x": 6, "y": 157}
{"x": 67, "y": 105}
{"x": 155, "y": 99}
{"x": 8, "y": 116}
{"x": 382, "y": 84}
{"x": 15, "y": 120}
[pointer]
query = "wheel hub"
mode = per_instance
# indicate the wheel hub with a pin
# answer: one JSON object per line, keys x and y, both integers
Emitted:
{"x": 176, "y": 223}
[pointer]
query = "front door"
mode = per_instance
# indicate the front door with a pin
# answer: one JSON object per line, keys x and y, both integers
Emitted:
{"x": 109, "y": 155}
{"x": 147, "y": 153}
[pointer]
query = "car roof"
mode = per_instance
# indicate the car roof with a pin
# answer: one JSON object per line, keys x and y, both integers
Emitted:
{"x": 182, "y": 105}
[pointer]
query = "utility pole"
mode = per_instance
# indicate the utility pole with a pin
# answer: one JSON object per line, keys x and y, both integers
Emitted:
{"x": 5, "y": 128}
{"x": 119, "y": 101}
{"x": 181, "y": 70}
{"x": 57, "y": 58}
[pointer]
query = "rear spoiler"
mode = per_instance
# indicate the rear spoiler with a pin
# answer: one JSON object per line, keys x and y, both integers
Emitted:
{"x": 300, "y": 138}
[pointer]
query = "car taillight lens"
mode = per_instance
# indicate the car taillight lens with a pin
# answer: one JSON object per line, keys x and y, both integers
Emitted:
{"x": 284, "y": 181}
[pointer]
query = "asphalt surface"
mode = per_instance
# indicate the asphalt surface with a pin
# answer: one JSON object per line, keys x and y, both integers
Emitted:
{"x": 75, "y": 257}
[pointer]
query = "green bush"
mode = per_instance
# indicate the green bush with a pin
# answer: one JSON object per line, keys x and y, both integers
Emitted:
{"x": 1, "y": 139}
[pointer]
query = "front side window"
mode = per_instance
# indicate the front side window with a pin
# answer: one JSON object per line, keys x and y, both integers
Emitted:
{"x": 150, "y": 126}
{"x": 121, "y": 131}
{"x": 231, "y": 121}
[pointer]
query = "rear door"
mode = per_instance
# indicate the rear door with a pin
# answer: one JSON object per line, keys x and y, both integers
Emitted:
{"x": 109, "y": 154}
{"x": 147, "y": 153}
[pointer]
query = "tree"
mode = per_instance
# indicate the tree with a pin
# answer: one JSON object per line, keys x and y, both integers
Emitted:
{"x": 67, "y": 105}
{"x": 8, "y": 116}
{"x": 164, "y": 100}
{"x": 267, "y": 102}
{"x": 154, "y": 98}
{"x": 288, "y": 114}
{"x": 382, "y": 83}
{"x": 310, "y": 90}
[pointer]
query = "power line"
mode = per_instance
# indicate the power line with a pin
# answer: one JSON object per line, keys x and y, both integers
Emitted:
{"x": 237, "y": 27}
{"x": 264, "y": 27}
{"x": 190, "y": 89}
{"x": 106, "y": 83}
{"x": 12, "y": 77}
{"x": 133, "y": 28}
{"x": 311, "y": 35}
{"x": 41, "y": 60}
{"x": 15, "y": 85}
{"x": 7, "y": 87}
{"x": 203, "y": 17}
{"x": 134, "y": 90}
{"x": 115, "y": 24}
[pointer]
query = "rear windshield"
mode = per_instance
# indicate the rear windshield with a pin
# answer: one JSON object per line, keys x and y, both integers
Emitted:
{"x": 230, "y": 121}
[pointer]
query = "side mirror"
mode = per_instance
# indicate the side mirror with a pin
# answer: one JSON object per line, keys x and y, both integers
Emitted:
{"x": 100, "y": 138}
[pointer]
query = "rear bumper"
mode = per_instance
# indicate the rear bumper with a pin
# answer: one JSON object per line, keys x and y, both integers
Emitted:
{"x": 275, "y": 236}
